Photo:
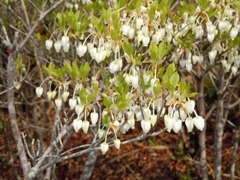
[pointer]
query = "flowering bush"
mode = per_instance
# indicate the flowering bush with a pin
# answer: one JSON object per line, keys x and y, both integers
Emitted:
{"x": 126, "y": 54}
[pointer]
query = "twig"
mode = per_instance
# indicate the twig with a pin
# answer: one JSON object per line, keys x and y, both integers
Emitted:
{"x": 38, "y": 21}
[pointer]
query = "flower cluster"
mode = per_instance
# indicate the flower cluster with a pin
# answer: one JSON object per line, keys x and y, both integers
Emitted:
{"x": 121, "y": 56}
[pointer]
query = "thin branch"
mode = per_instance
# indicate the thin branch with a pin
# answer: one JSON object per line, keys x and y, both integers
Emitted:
{"x": 38, "y": 21}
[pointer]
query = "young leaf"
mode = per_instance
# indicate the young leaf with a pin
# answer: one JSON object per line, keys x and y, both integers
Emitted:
{"x": 128, "y": 48}
{"x": 174, "y": 79}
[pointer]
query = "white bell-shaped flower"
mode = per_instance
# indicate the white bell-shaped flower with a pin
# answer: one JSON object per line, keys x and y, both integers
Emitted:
{"x": 182, "y": 114}
{"x": 139, "y": 23}
{"x": 131, "y": 123}
{"x": 94, "y": 118}
{"x": 48, "y": 44}
{"x": 190, "y": 105}
{"x": 125, "y": 29}
{"x": 65, "y": 95}
{"x": 131, "y": 33}
{"x": 39, "y": 91}
{"x": 199, "y": 32}
{"x": 145, "y": 40}
{"x": 66, "y": 47}
{"x": 49, "y": 95}
{"x": 177, "y": 125}
{"x": 79, "y": 109}
{"x": 85, "y": 126}
{"x": 64, "y": 40}
{"x": 234, "y": 70}
{"x": 72, "y": 103}
{"x": 212, "y": 55}
{"x": 198, "y": 121}
{"x": 101, "y": 133}
{"x": 210, "y": 37}
{"x": 234, "y": 33}
{"x": 153, "y": 119}
{"x": 117, "y": 143}
{"x": 169, "y": 122}
{"x": 77, "y": 124}
{"x": 57, "y": 46}
{"x": 81, "y": 49}
{"x": 58, "y": 103}
{"x": 146, "y": 125}
{"x": 115, "y": 65}
{"x": 104, "y": 147}
{"x": 189, "y": 124}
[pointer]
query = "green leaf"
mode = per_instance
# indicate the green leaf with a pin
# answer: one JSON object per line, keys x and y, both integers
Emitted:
{"x": 75, "y": 69}
{"x": 152, "y": 10}
{"x": 83, "y": 95}
{"x": 107, "y": 102}
{"x": 174, "y": 79}
{"x": 192, "y": 94}
{"x": 163, "y": 49}
{"x": 157, "y": 89}
{"x": 128, "y": 48}
{"x": 84, "y": 70}
{"x": 121, "y": 3}
{"x": 106, "y": 119}
{"x": 170, "y": 70}
{"x": 68, "y": 68}
{"x": 153, "y": 51}
{"x": 90, "y": 98}
{"x": 203, "y": 3}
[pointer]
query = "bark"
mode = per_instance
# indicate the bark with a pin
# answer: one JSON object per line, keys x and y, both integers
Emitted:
{"x": 12, "y": 113}
{"x": 202, "y": 135}
{"x": 219, "y": 128}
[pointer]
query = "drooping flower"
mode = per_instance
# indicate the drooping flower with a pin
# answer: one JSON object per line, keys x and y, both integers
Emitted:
{"x": 146, "y": 125}
{"x": 77, "y": 124}
{"x": 198, "y": 121}
{"x": 117, "y": 143}
{"x": 169, "y": 122}
{"x": 85, "y": 126}
{"x": 94, "y": 118}
{"x": 104, "y": 147}
{"x": 39, "y": 91}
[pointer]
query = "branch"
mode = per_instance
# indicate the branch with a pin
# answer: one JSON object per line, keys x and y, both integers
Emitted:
{"x": 38, "y": 21}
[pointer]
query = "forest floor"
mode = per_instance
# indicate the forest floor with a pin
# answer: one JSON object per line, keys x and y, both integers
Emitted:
{"x": 166, "y": 156}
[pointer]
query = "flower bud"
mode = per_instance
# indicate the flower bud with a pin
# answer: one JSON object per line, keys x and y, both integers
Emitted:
{"x": 104, "y": 147}
{"x": 94, "y": 118}
{"x": 117, "y": 143}
{"x": 48, "y": 44}
{"x": 39, "y": 91}
{"x": 85, "y": 126}
{"x": 77, "y": 124}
